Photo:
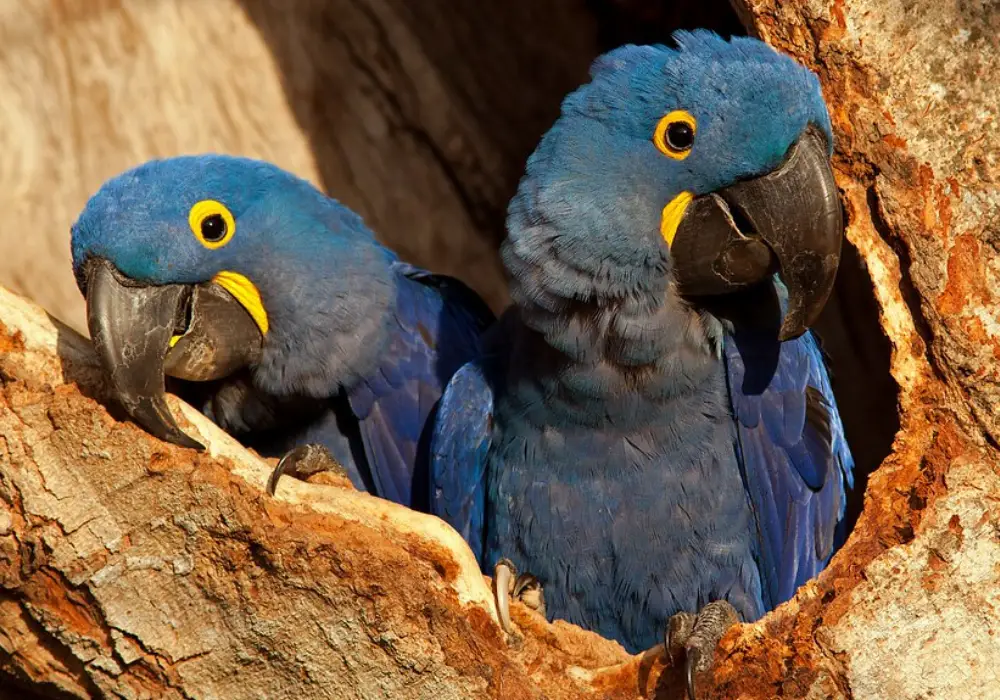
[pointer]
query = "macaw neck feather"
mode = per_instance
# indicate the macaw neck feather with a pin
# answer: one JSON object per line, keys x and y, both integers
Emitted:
{"x": 330, "y": 308}
{"x": 598, "y": 350}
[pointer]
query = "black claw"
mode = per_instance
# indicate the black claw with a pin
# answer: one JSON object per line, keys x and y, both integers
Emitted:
{"x": 283, "y": 464}
{"x": 690, "y": 669}
{"x": 302, "y": 462}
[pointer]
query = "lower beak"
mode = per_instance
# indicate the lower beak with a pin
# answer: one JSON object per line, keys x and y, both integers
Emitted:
{"x": 788, "y": 221}
{"x": 142, "y": 333}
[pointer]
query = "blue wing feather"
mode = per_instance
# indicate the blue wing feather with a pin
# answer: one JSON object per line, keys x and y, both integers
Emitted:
{"x": 459, "y": 445}
{"x": 796, "y": 463}
{"x": 460, "y": 440}
{"x": 438, "y": 322}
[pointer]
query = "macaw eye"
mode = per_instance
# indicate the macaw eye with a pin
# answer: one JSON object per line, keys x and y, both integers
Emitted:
{"x": 212, "y": 223}
{"x": 680, "y": 136}
{"x": 674, "y": 134}
{"x": 213, "y": 228}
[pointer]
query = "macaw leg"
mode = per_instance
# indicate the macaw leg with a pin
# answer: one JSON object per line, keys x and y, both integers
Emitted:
{"x": 697, "y": 636}
{"x": 525, "y": 587}
{"x": 302, "y": 462}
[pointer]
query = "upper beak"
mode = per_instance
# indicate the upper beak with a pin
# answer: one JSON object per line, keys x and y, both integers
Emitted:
{"x": 142, "y": 333}
{"x": 788, "y": 221}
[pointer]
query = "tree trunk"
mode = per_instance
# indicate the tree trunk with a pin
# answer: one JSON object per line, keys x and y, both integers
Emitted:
{"x": 137, "y": 569}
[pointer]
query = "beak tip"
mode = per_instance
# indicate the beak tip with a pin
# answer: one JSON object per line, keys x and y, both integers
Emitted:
{"x": 130, "y": 327}
{"x": 191, "y": 443}
{"x": 160, "y": 424}
{"x": 792, "y": 327}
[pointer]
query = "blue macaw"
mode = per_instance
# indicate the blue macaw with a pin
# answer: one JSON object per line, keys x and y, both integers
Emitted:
{"x": 651, "y": 430}
{"x": 306, "y": 331}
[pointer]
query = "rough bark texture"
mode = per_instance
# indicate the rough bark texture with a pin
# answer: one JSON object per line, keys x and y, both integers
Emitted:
{"x": 136, "y": 569}
{"x": 131, "y": 568}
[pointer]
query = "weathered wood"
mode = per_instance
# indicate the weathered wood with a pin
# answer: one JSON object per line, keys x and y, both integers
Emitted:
{"x": 133, "y": 568}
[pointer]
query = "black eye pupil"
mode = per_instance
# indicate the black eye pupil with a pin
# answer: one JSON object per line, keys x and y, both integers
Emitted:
{"x": 680, "y": 136}
{"x": 213, "y": 228}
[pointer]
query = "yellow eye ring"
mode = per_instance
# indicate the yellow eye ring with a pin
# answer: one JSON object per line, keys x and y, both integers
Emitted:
{"x": 674, "y": 134}
{"x": 212, "y": 223}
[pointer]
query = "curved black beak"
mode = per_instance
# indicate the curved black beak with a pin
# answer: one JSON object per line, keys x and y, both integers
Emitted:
{"x": 142, "y": 333}
{"x": 788, "y": 221}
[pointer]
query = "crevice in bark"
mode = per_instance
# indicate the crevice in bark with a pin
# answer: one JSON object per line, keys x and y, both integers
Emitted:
{"x": 72, "y": 666}
{"x": 13, "y": 689}
{"x": 906, "y": 287}
{"x": 859, "y": 360}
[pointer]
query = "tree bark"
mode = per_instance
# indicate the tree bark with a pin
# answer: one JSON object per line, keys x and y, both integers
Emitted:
{"x": 137, "y": 569}
{"x": 133, "y": 568}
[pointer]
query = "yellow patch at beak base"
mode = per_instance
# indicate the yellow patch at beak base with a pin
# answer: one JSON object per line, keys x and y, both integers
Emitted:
{"x": 244, "y": 291}
{"x": 672, "y": 215}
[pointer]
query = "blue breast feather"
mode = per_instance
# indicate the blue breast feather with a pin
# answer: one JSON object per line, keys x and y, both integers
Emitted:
{"x": 795, "y": 462}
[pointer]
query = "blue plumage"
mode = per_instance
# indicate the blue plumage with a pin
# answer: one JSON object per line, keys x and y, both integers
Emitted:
{"x": 359, "y": 345}
{"x": 639, "y": 451}
{"x": 796, "y": 464}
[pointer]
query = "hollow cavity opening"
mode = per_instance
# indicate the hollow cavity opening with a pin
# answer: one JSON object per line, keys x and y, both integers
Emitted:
{"x": 859, "y": 355}
{"x": 499, "y": 72}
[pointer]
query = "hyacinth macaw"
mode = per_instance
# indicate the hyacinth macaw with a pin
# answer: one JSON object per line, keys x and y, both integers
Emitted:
{"x": 307, "y": 331}
{"x": 651, "y": 431}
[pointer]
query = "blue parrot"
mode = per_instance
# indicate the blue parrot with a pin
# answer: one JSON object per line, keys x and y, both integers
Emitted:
{"x": 651, "y": 431}
{"x": 303, "y": 330}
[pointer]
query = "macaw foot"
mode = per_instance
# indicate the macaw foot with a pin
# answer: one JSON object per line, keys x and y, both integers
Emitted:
{"x": 525, "y": 587}
{"x": 302, "y": 462}
{"x": 697, "y": 636}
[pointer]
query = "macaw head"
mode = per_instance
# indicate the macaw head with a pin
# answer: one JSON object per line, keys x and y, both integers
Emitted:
{"x": 196, "y": 267}
{"x": 705, "y": 167}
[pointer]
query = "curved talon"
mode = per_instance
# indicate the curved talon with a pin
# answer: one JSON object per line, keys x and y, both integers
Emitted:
{"x": 698, "y": 635}
{"x": 302, "y": 462}
{"x": 503, "y": 574}
{"x": 690, "y": 669}
{"x": 283, "y": 464}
